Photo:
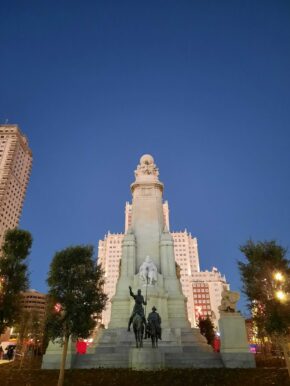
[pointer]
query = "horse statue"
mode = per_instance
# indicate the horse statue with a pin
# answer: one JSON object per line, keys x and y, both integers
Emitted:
{"x": 138, "y": 328}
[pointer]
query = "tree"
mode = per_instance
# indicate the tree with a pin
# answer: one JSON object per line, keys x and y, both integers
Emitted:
{"x": 29, "y": 331}
{"x": 76, "y": 297}
{"x": 13, "y": 275}
{"x": 206, "y": 328}
{"x": 266, "y": 283}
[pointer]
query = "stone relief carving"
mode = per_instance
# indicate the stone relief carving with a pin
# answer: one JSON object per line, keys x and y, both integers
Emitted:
{"x": 177, "y": 270}
{"x": 229, "y": 301}
{"x": 146, "y": 166}
{"x": 148, "y": 271}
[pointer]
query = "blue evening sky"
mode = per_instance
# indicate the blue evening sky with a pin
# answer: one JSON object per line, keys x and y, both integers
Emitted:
{"x": 201, "y": 85}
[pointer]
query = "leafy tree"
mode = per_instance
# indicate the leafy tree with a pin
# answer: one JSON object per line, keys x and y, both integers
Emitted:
{"x": 264, "y": 260}
{"x": 29, "y": 332}
{"x": 13, "y": 275}
{"x": 76, "y": 297}
{"x": 207, "y": 329}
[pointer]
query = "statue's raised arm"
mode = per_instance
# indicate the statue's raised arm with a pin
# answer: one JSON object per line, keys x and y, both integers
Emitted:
{"x": 131, "y": 292}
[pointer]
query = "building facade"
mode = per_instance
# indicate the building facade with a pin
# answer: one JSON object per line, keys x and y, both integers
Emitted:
{"x": 33, "y": 301}
{"x": 201, "y": 288}
{"x": 15, "y": 168}
{"x": 207, "y": 288}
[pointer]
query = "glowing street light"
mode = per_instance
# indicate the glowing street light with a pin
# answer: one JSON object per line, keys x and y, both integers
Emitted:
{"x": 281, "y": 295}
{"x": 278, "y": 276}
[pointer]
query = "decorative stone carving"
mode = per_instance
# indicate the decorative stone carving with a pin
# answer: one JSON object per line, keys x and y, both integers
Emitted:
{"x": 148, "y": 271}
{"x": 178, "y": 270}
{"x": 146, "y": 166}
{"x": 229, "y": 301}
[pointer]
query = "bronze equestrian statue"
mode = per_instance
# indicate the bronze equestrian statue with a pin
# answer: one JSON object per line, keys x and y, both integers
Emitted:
{"x": 138, "y": 307}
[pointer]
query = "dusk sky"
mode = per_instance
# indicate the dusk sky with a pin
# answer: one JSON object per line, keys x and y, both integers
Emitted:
{"x": 203, "y": 86}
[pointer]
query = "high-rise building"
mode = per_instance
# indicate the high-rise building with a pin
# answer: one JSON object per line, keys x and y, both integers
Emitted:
{"x": 109, "y": 253}
{"x": 33, "y": 301}
{"x": 201, "y": 288}
{"x": 186, "y": 256}
{"x": 207, "y": 288}
{"x": 15, "y": 168}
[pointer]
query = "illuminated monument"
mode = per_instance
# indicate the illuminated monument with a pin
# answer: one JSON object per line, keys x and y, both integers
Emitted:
{"x": 148, "y": 252}
{"x": 148, "y": 241}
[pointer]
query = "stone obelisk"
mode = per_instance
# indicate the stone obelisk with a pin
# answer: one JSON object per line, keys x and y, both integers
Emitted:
{"x": 148, "y": 237}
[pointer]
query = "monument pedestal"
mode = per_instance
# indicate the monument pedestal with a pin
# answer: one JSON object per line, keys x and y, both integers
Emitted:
{"x": 234, "y": 350}
{"x": 146, "y": 358}
{"x": 179, "y": 348}
{"x": 52, "y": 357}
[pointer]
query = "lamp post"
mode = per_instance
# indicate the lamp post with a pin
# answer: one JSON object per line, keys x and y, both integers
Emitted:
{"x": 282, "y": 297}
{"x": 280, "y": 294}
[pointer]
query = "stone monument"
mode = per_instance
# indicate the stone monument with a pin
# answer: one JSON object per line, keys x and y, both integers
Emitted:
{"x": 234, "y": 343}
{"x": 148, "y": 263}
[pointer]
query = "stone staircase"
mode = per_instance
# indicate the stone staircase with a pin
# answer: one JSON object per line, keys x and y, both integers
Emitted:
{"x": 179, "y": 348}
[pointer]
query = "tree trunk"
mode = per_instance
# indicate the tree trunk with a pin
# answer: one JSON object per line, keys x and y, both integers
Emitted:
{"x": 63, "y": 360}
{"x": 285, "y": 352}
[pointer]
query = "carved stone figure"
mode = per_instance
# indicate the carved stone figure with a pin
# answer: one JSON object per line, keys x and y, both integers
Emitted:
{"x": 146, "y": 166}
{"x": 177, "y": 269}
{"x": 148, "y": 271}
{"x": 229, "y": 301}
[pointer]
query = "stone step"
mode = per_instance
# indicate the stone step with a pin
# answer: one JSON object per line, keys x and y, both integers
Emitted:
{"x": 174, "y": 359}
{"x": 194, "y": 360}
{"x": 199, "y": 350}
{"x": 195, "y": 365}
{"x": 95, "y": 361}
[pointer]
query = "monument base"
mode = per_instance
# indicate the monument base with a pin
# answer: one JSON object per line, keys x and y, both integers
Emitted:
{"x": 235, "y": 352}
{"x": 179, "y": 348}
{"x": 146, "y": 358}
{"x": 238, "y": 360}
{"x": 52, "y": 357}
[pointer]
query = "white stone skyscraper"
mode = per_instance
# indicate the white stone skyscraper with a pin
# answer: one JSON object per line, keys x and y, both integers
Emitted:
{"x": 15, "y": 168}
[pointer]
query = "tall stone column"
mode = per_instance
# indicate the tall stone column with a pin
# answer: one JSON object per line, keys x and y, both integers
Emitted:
{"x": 147, "y": 237}
{"x": 147, "y": 211}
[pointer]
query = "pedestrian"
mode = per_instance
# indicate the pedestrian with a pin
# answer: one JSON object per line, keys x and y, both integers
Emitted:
{"x": 10, "y": 353}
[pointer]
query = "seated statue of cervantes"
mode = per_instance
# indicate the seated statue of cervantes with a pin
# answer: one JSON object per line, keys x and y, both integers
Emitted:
{"x": 148, "y": 271}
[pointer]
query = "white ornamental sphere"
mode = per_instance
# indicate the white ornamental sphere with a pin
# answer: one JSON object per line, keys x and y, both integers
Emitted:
{"x": 147, "y": 159}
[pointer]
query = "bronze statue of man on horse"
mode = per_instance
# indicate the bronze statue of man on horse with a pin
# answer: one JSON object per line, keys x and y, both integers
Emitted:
{"x": 138, "y": 317}
{"x": 152, "y": 329}
{"x": 138, "y": 307}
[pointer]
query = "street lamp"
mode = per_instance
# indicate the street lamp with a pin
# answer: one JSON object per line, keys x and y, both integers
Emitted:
{"x": 281, "y": 295}
{"x": 278, "y": 276}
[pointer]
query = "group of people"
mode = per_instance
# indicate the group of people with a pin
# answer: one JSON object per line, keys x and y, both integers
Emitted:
{"x": 154, "y": 319}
